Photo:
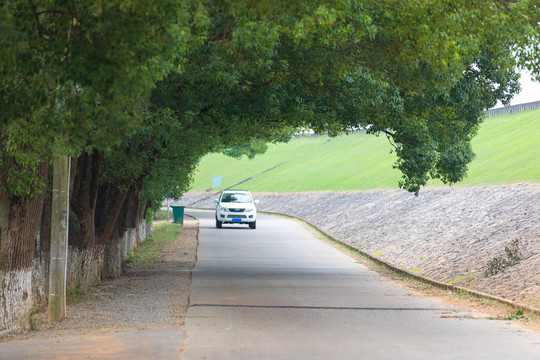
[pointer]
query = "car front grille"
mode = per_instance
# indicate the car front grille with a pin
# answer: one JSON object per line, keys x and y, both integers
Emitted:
{"x": 236, "y": 210}
{"x": 236, "y": 216}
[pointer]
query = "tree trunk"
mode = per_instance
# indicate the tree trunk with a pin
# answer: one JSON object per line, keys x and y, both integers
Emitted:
{"x": 44, "y": 245}
{"x": 82, "y": 237}
{"x": 123, "y": 239}
{"x": 142, "y": 226}
{"x": 110, "y": 201}
{"x": 39, "y": 296}
{"x": 19, "y": 224}
{"x": 114, "y": 253}
{"x": 130, "y": 219}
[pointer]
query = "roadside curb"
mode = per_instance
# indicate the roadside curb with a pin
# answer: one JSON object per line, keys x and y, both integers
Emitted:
{"x": 388, "y": 266}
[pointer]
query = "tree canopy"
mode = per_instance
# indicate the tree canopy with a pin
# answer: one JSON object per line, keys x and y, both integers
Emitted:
{"x": 422, "y": 73}
{"x": 77, "y": 73}
{"x": 226, "y": 73}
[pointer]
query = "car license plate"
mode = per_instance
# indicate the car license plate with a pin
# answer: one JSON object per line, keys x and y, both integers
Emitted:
{"x": 236, "y": 220}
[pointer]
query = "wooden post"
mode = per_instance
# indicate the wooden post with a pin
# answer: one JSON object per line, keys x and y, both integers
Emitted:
{"x": 59, "y": 240}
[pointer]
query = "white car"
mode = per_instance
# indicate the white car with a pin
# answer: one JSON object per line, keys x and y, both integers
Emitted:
{"x": 236, "y": 207}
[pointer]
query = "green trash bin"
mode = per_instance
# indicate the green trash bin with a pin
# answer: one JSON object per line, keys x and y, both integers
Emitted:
{"x": 178, "y": 214}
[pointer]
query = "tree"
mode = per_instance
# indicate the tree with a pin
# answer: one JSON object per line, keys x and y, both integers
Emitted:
{"x": 72, "y": 74}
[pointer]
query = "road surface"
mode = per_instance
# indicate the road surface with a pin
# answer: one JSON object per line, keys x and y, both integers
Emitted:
{"x": 277, "y": 292}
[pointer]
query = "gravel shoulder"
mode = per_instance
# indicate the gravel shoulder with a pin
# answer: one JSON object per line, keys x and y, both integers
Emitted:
{"x": 150, "y": 296}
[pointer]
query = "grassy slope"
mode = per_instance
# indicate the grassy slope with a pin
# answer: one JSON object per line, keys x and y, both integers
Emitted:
{"x": 507, "y": 148}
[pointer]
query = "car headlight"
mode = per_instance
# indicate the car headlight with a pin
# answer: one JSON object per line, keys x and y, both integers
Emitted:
{"x": 224, "y": 209}
{"x": 248, "y": 210}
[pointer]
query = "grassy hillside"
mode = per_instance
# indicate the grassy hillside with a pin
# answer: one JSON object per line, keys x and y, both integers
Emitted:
{"x": 507, "y": 148}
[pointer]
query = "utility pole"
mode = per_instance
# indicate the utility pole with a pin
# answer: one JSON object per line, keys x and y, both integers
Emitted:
{"x": 59, "y": 240}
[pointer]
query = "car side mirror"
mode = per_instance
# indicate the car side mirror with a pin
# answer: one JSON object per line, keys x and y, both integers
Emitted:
{"x": 216, "y": 201}
{"x": 255, "y": 202}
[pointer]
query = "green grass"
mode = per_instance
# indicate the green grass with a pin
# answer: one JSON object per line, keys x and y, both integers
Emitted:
{"x": 162, "y": 215}
{"x": 147, "y": 252}
{"x": 468, "y": 277}
{"x": 507, "y": 148}
{"x": 76, "y": 295}
{"x": 234, "y": 170}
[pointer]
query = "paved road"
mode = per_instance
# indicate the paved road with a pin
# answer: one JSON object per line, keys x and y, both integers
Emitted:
{"x": 279, "y": 293}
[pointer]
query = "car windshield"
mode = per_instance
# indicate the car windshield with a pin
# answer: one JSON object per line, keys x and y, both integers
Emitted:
{"x": 236, "y": 198}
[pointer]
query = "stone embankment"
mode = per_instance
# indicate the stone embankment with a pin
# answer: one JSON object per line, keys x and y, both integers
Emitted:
{"x": 450, "y": 234}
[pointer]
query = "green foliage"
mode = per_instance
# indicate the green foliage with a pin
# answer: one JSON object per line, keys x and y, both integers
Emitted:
{"x": 516, "y": 315}
{"x": 85, "y": 59}
{"x": 512, "y": 252}
{"x": 234, "y": 74}
{"x": 495, "y": 266}
{"x": 499, "y": 264}
{"x": 150, "y": 215}
{"x": 251, "y": 149}
{"x": 76, "y": 73}
{"x": 76, "y": 295}
{"x": 33, "y": 320}
{"x": 21, "y": 152}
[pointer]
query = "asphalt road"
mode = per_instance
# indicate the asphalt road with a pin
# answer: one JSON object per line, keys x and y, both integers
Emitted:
{"x": 277, "y": 292}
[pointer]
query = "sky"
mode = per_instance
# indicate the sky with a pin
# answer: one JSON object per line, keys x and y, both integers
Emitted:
{"x": 530, "y": 91}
